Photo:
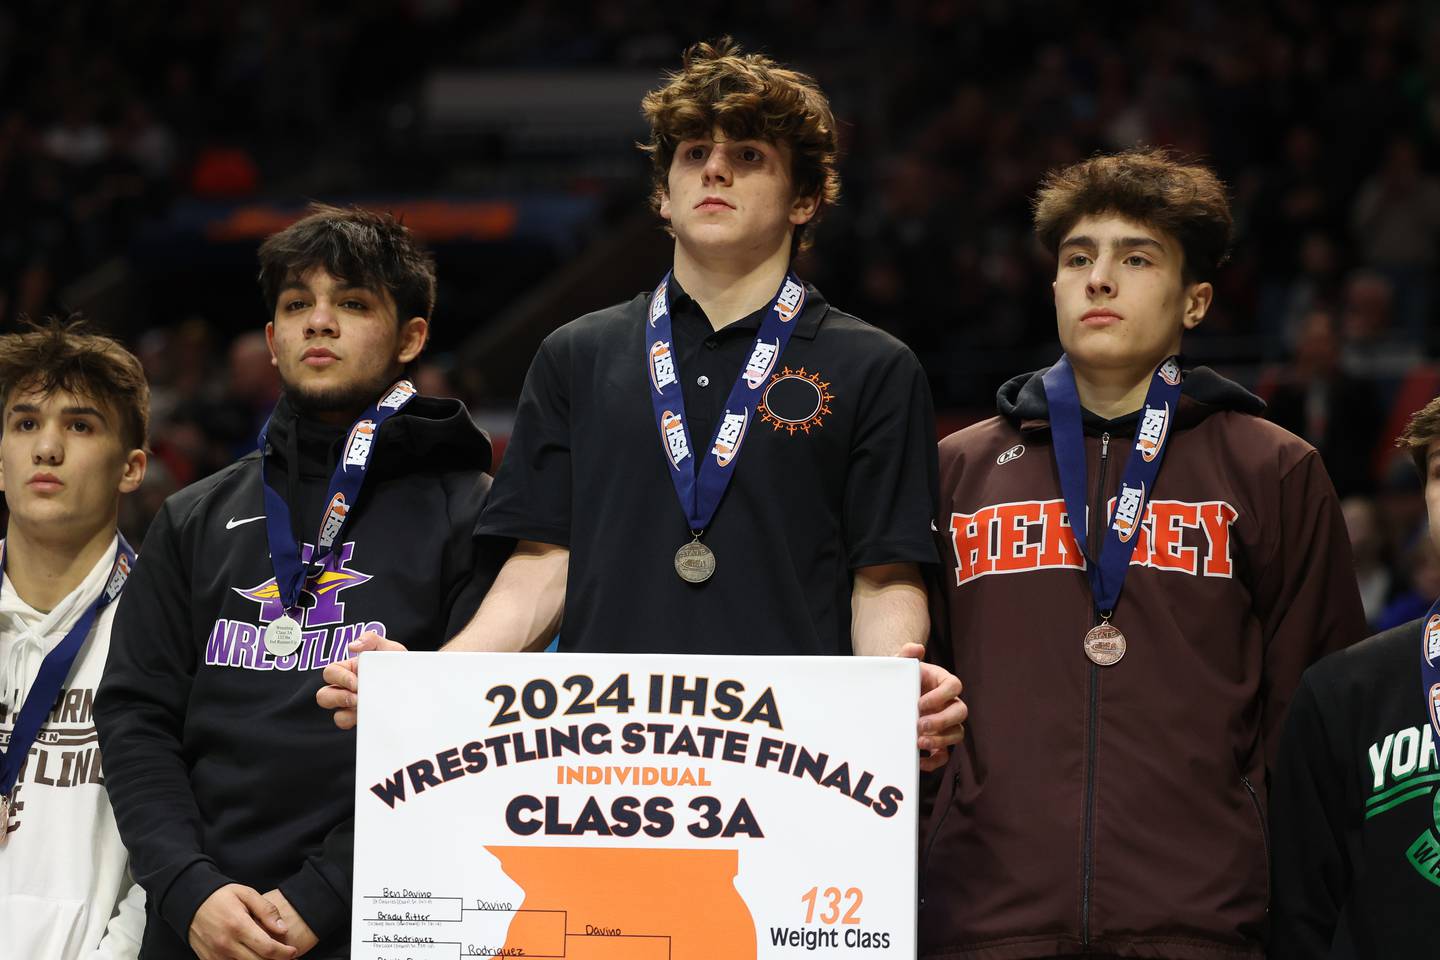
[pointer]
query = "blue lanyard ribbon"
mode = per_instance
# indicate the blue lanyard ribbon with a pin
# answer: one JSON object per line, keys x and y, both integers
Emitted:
{"x": 700, "y": 491}
{"x": 1137, "y": 483}
{"x": 1430, "y": 666}
{"x": 290, "y": 573}
{"x": 55, "y": 668}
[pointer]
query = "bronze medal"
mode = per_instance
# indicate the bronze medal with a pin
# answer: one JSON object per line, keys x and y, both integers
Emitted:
{"x": 694, "y": 562}
{"x": 1104, "y": 644}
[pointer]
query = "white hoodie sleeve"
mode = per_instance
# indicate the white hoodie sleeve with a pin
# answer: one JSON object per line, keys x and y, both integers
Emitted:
{"x": 126, "y": 927}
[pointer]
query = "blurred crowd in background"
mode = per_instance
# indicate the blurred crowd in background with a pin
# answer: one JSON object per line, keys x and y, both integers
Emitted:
{"x": 126, "y": 123}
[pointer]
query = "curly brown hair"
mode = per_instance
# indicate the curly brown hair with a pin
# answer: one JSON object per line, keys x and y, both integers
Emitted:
{"x": 747, "y": 96}
{"x": 66, "y": 355}
{"x": 1422, "y": 430}
{"x": 1148, "y": 185}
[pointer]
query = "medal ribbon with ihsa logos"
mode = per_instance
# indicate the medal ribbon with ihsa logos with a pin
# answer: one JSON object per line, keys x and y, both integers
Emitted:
{"x": 700, "y": 490}
{"x": 51, "y": 677}
{"x": 1105, "y": 644}
{"x": 1430, "y": 666}
{"x": 283, "y": 637}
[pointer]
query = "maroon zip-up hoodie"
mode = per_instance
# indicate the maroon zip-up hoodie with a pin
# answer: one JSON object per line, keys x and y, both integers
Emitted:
{"x": 1120, "y": 810}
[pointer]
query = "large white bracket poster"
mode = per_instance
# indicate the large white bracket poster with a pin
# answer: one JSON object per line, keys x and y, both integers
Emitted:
{"x": 638, "y": 807}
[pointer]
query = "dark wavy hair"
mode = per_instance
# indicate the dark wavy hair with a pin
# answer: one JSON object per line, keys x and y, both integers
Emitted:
{"x": 67, "y": 356}
{"x": 1149, "y": 185}
{"x": 1422, "y": 430}
{"x": 360, "y": 247}
{"x": 747, "y": 96}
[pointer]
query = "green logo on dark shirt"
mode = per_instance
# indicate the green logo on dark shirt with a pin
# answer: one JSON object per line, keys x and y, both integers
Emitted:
{"x": 1404, "y": 768}
{"x": 1424, "y": 853}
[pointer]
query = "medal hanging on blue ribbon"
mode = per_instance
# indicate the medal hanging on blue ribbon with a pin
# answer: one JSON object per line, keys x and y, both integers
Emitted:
{"x": 1104, "y": 643}
{"x": 51, "y": 677}
{"x": 701, "y": 489}
{"x": 1430, "y": 666}
{"x": 1421, "y": 853}
{"x": 283, "y": 636}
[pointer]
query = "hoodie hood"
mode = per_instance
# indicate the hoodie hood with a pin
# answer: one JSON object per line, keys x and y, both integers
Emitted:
{"x": 1021, "y": 400}
{"x": 431, "y": 435}
{"x": 435, "y": 431}
{"x": 32, "y": 634}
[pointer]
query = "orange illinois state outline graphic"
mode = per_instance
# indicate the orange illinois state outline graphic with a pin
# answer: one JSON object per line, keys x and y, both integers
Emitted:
{"x": 606, "y": 903}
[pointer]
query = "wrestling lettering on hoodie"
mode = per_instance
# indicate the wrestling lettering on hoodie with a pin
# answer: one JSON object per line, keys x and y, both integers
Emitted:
{"x": 66, "y": 751}
{"x": 324, "y": 632}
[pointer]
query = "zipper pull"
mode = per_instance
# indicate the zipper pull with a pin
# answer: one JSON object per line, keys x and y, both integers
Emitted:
{"x": 1104, "y": 446}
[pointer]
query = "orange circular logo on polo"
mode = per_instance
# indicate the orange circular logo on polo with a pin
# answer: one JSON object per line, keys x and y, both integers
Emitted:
{"x": 796, "y": 400}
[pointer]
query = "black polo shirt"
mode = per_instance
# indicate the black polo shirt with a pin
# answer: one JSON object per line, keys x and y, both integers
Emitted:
{"x": 838, "y": 471}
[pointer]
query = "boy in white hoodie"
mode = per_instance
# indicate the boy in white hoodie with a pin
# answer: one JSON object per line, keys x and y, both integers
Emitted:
{"x": 75, "y": 413}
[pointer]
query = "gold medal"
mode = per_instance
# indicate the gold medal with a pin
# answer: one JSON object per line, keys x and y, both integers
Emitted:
{"x": 4, "y": 818}
{"x": 694, "y": 562}
{"x": 1104, "y": 644}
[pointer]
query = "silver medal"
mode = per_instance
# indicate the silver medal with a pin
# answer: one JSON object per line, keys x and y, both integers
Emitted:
{"x": 694, "y": 562}
{"x": 282, "y": 637}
